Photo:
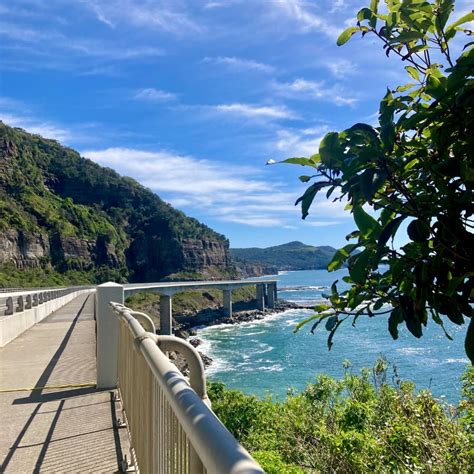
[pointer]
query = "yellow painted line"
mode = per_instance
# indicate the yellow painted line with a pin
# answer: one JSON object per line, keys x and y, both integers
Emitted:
{"x": 47, "y": 387}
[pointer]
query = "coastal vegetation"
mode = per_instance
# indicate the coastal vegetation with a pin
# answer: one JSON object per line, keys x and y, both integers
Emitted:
{"x": 366, "y": 422}
{"x": 187, "y": 305}
{"x": 408, "y": 179}
{"x": 64, "y": 219}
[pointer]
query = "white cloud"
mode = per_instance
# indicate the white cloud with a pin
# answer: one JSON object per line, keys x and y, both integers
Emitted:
{"x": 227, "y": 192}
{"x": 240, "y": 63}
{"x": 155, "y": 95}
{"x": 304, "y": 89}
{"x": 341, "y": 68}
{"x": 321, "y": 223}
{"x": 254, "y": 221}
{"x": 338, "y": 5}
{"x": 35, "y": 126}
{"x": 49, "y": 42}
{"x": 299, "y": 142}
{"x": 164, "y": 15}
{"x": 302, "y": 13}
{"x": 255, "y": 111}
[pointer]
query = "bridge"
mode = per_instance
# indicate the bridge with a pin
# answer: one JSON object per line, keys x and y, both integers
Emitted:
{"x": 86, "y": 385}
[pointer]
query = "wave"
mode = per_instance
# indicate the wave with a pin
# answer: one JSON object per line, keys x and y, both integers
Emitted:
{"x": 413, "y": 350}
{"x": 460, "y": 360}
{"x": 290, "y": 289}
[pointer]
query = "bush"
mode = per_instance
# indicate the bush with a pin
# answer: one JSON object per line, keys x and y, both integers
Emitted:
{"x": 360, "y": 423}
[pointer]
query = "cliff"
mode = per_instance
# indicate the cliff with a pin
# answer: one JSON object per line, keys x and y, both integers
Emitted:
{"x": 65, "y": 214}
{"x": 290, "y": 256}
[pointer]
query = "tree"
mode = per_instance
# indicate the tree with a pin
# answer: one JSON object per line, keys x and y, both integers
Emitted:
{"x": 415, "y": 168}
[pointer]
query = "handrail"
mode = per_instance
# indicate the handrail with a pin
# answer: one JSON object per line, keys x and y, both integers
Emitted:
{"x": 197, "y": 377}
{"x": 19, "y": 301}
{"x": 144, "y": 318}
{"x": 185, "y": 434}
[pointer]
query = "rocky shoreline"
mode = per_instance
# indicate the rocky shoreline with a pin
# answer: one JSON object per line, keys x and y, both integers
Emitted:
{"x": 186, "y": 326}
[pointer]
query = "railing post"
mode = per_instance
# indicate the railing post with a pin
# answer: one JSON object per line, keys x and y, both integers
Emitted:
{"x": 166, "y": 315}
{"x": 107, "y": 334}
{"x": 9, "y": 310}
{"x": 20, "y": 304}
{"x": 227, "y": 302}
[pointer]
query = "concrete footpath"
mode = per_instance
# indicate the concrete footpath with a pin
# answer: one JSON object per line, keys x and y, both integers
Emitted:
{"x": 60, "y": 430}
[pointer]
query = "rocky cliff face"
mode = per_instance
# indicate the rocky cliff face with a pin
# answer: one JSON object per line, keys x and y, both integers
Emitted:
{"x": 23, "y": 249}
{"x": 62, "y": 212}
{"x": 31, "y": 250}
{"x": 249, "y": 270}
{"x": 200, "y": 254}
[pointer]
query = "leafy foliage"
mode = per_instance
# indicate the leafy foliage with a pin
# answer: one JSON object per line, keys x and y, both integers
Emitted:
{"x": 360, "y": 423}
{"x": 49, "y": 189}
{"x": 410, "y": 176}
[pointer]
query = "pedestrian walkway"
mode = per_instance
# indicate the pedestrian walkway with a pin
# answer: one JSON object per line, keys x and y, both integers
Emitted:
{"x": 69, "y": 428}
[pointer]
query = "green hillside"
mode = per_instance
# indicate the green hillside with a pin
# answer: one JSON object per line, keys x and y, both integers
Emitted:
{"x": 290, "y": 256}
{"x": 64, "y": 215}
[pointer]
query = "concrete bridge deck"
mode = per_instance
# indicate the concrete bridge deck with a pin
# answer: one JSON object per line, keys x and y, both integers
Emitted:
{"x": 63, "y": 430}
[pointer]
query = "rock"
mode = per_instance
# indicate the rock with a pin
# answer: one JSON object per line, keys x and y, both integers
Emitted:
{"x": 248, "y": 269}
{"x": 206, "y": 360}
{"x": 23, "y": 249}
{"x": 195, "y": 341}
{"x": 180, "y": 362}
{"x": 198, "y": 255}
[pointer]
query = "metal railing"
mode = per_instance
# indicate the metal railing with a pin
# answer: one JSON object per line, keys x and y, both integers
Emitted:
{"x": 172, "y": 428}
{"x": 21, "y": 300}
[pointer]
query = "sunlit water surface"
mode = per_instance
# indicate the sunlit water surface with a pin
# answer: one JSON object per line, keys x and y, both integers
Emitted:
{"x": 266, "y": 357}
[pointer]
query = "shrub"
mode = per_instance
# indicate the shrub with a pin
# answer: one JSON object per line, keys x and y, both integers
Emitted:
{"x": 359, "y": 423}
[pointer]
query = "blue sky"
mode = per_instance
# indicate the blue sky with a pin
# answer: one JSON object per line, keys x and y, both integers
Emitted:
{"x": 191, "y": 98}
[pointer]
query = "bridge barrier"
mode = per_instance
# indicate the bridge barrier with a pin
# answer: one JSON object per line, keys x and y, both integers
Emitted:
{"x": 19, "y": 310}
{"x": 172, "y": 427}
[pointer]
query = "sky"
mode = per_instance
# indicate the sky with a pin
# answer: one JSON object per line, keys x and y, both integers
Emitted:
{"x": 193, "y": 97}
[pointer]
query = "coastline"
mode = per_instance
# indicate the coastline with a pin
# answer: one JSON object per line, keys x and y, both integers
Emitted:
{"x": 206, "y": 318}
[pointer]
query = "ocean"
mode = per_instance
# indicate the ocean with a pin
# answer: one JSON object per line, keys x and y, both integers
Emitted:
{"x": 266, "y": 357}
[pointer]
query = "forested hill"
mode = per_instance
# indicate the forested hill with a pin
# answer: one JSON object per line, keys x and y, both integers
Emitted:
{"x": 64, "y": 218}
{"x": 290, "y": 256}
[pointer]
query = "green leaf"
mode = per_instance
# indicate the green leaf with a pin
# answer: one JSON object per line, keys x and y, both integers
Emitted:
{"x": 418, "y": 231}
{"x": 374, "y": 7}
{"x": 365, "y": 222}
{"x": 331, "y": 323}
{"x": 407, "y": 37}
{"x": 365, "y": 14}
{"x": 340, "y": 256}
{"x": 389, "y": 231}
{"x": 307, "y": 198}
{"x": 413, "y": 72}
{"x": 464, "y": 19}
{"x": 346, "y": 35}
{"x": 304, "y": 179}
{"x": 310, "y": 318}
{"x": 319, "y": 308}
{"x": 435, "y": 88}
{"x": 374, "y": 4}
{"x": 371, "y": 181}
{"x": 294, "y": 161}
{"x": 445, "y": 9}
{"x": 359, "y": 266}
{"x": 330, "y": 150}
{"x": 394, "y": 320}
{"x": 405, "y": 87}
{"x": 333, "y": 331}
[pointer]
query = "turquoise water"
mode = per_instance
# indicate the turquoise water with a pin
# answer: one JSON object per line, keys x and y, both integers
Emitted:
{"x": 266, "y": 357}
